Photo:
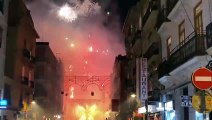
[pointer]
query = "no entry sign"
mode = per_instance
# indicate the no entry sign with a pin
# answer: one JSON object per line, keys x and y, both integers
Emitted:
{"x": 202, "y": 78}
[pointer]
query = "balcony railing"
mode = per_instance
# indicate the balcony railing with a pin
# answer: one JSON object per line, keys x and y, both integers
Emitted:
{"x": 162, "y": 17}
{"x": 153, "y": 5}
{"x": 152, "y": 50}
{"x": 194, "y": 45}
{"x": 170, "y": 5}
{"x": 136, "y": 37}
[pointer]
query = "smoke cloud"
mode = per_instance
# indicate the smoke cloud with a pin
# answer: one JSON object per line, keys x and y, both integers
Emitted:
{"x": 70, "y": 41}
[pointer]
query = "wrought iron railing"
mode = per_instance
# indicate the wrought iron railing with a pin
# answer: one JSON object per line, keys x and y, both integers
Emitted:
{"x": 170, "y": 5}
{"x": 194, "y": 45}
{"x": 153, "y": 5}
{"x": 162, "y": 17}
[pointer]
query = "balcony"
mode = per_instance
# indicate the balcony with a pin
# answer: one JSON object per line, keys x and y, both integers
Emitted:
{"x": 194, "y": 46}
{"x": 25, "y": 80}
{"x": 136, "y": 37}
{"x": 170, "y": 5}
{"x": 154, "y": 95}
{"x": 162, "y": 17}
{"x": 152, "y": 50}
{"x": 153, "y": 5}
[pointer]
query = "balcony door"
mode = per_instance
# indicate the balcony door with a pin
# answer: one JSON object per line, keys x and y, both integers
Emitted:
{"x": 198, "y": 22}
{"x": 181, "y": 29}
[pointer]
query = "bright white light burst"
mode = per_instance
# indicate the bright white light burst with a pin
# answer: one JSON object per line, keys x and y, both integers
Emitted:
{"x": 90, "y": 49}
{"x": 67, "y": 14}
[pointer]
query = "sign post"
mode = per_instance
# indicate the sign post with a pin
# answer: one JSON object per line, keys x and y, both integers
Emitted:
{"x": 202, "y": 79}
{"x": 143, "y": 84}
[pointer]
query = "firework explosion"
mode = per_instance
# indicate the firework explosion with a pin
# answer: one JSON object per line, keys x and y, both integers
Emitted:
{"x": 86, "y": 113}
{"x": 66, "y": 13}
{"x": 70, "y": 13}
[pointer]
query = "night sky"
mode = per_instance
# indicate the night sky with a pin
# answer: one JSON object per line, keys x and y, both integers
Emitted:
{"x": 124, "y": 6}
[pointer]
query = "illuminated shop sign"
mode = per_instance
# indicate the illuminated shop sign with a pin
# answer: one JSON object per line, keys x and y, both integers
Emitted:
{"x": 168, "y": 106}
{"x": 3, "y": 103}
{"x": 151, "y": 109}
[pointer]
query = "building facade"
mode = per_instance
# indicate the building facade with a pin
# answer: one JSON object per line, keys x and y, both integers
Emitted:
{"x": 142, "y": 43}
{"x": 182, "y": 25}
{"x": 19, "y": 61}
{"x": 122, "y": 89}
{"x": 3, "y": 35}
{"x": 49, "y": 82}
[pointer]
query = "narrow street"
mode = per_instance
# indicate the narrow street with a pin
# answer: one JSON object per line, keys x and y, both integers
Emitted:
{"x": 105, "y": 59}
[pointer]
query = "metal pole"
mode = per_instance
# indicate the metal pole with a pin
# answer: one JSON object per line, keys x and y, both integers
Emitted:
{"x": 203, "y": 107}
{"x": 164, "y": 112}
{"x": 146, "y": 105}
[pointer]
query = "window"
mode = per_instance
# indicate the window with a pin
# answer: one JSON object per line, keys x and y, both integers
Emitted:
{"x": 182, "y": 33}
{"x": 30, "y": 75}
{"x": 169, "y": 43}
{"x": 23, "y": 71}
{"x": 198, "y": 23}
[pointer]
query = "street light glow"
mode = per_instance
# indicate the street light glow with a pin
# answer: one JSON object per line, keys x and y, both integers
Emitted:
{"x": 133, "y": 95}
{"x": 90, "y": 49}
{"x": 33, "y": 102}
{"x": 72, "y": 45}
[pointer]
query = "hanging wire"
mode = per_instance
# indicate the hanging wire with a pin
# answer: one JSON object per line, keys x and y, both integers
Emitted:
{"x": 187, "y": 15}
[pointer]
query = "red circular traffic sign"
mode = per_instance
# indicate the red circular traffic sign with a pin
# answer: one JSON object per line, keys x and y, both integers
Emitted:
{"x": 202, "y": 78}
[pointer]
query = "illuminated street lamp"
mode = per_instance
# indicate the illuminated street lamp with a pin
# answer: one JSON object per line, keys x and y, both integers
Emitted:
{"x": 133, "y": 95}
{"x": 33, "y": 102}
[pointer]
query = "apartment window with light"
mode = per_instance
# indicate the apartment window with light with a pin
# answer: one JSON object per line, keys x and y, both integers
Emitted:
{"x": 182, "y": 32}
{"x": 198, "y": 22}
{"x": 23, "y": 71}
{"x": 169, "y": 43}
